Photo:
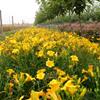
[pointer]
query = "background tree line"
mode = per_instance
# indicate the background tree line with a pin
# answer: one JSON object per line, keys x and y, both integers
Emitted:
{"x": 51, "y": 9}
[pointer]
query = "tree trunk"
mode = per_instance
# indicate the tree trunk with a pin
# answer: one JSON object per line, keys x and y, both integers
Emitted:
{"x": 79, "y": 16}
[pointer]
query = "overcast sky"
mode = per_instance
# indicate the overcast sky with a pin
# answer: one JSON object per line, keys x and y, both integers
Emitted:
{"x": 20, "y": 9}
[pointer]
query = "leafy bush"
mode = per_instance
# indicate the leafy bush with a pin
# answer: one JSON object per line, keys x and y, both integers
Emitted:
{"x": 44, "y": 64}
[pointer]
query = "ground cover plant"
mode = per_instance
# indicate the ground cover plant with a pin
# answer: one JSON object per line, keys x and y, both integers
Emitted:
{"x": 43, "y": 64}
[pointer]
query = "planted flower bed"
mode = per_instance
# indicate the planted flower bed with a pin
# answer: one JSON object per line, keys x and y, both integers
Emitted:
{"x": 42, "y": 64}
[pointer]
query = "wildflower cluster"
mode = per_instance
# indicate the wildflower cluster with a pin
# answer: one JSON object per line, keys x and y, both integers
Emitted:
{"x": 42, "y": 64}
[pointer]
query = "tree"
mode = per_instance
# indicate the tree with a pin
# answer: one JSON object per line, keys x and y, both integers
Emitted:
{"x": 49, "y": 10}
{"x": 53, "y": 8}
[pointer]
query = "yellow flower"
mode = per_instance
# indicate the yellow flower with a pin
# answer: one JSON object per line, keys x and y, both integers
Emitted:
{"x": 10, "y": 71}
{"x": 11, "y": 88}
{"x": 83, "y": 92}
{"x": 54, "y": 85}
{"x": 49, "y": 63}
{"x": 63, "y": 79}
{"x": 90, "y": 70}
{"x": 41, "y": 71}
{"x": 22, "y": 77}
{"x": 84, "y": 71}
{"x": 98, "y": 58}
{"x": 26, "y": 46}
{"x": 49, "y": 44}
{"x": 11, "y": 85}
{"x": 21, "y": 98}
{"x": 51, "y": 95}
{"x": 59, "y": 71}
{"x": 35, "y": 41}
{"x": 68, "y": 84}
{"x": 28, "y": 77}
{"x": 70, "y": 87}
{"x": 1, "y": 48}
{"x": 74, "y": 58}
{"x": 40, "y": 76}
{"x": 50, "y": 53}
{"x": 35, "y": 95}
{"x": 40, "y": 53}
{"x": 15, "y": 51}
{"x": 15, "y": 76}
{"x": 13, "y": 41}
{"x": 56, "y": 54}
{"x": 98, "y": 39}
{"x": 85, "y": 78}
{"x": 79, "y": 81}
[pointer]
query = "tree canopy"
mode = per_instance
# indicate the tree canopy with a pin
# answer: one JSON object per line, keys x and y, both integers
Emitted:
{"x": 52, "y": 8}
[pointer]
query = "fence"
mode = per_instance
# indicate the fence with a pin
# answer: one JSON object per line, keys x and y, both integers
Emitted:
{"x": 1, "y": 26}
{"x": 12, "y": 26}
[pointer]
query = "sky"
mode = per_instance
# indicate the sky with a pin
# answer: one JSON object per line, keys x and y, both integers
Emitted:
{"x": 20, "y": 9}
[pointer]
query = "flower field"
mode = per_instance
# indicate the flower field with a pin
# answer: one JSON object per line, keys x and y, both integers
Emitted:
{"x": 43, "y": 64}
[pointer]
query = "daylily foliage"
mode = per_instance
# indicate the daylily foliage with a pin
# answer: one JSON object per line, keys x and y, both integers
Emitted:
{"x": 43, "y": 64}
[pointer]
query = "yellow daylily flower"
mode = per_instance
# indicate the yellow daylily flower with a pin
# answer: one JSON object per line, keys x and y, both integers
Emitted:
{"x": 41, "y": 71}
{"x": 10, "y": 71}
{"x": 54, "y": 85}
{"x": 59, "y": 71}
{"x": 98, "y": 39}
{"x": 50, "y": 53}
{"x": 49, "y": 63}
{"x": 22, "y": 76}
{"x": 90, "y": 70}
{"x": 28, "y": 77}
{"x": 15, "y": 51}
{"x": 51, "y": 94}
{"x": 98, "y": 58}
{"x": 85, "y": 78}
{"x": 40, "y": 76}
{"x": 79, "y": 81}
{"x": 1, "y": 48}
{"x": 74, "y": 58}
{"x": 26, "y": 47}
{"x": 21, "y": 98}
{"x": 84, "y": 71}
{"x": 40, "y": 53}
{"x": 15, "y": 76}
{"x": 83, "y": 92}
{"x": 70, "y": 87}
{"x": 13, "y": 41}
{"x": 11, "y": 84}
{"x": 64, "y": 78}
{"x": 11, "y": 88}
{"x": 35, "y": 95}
